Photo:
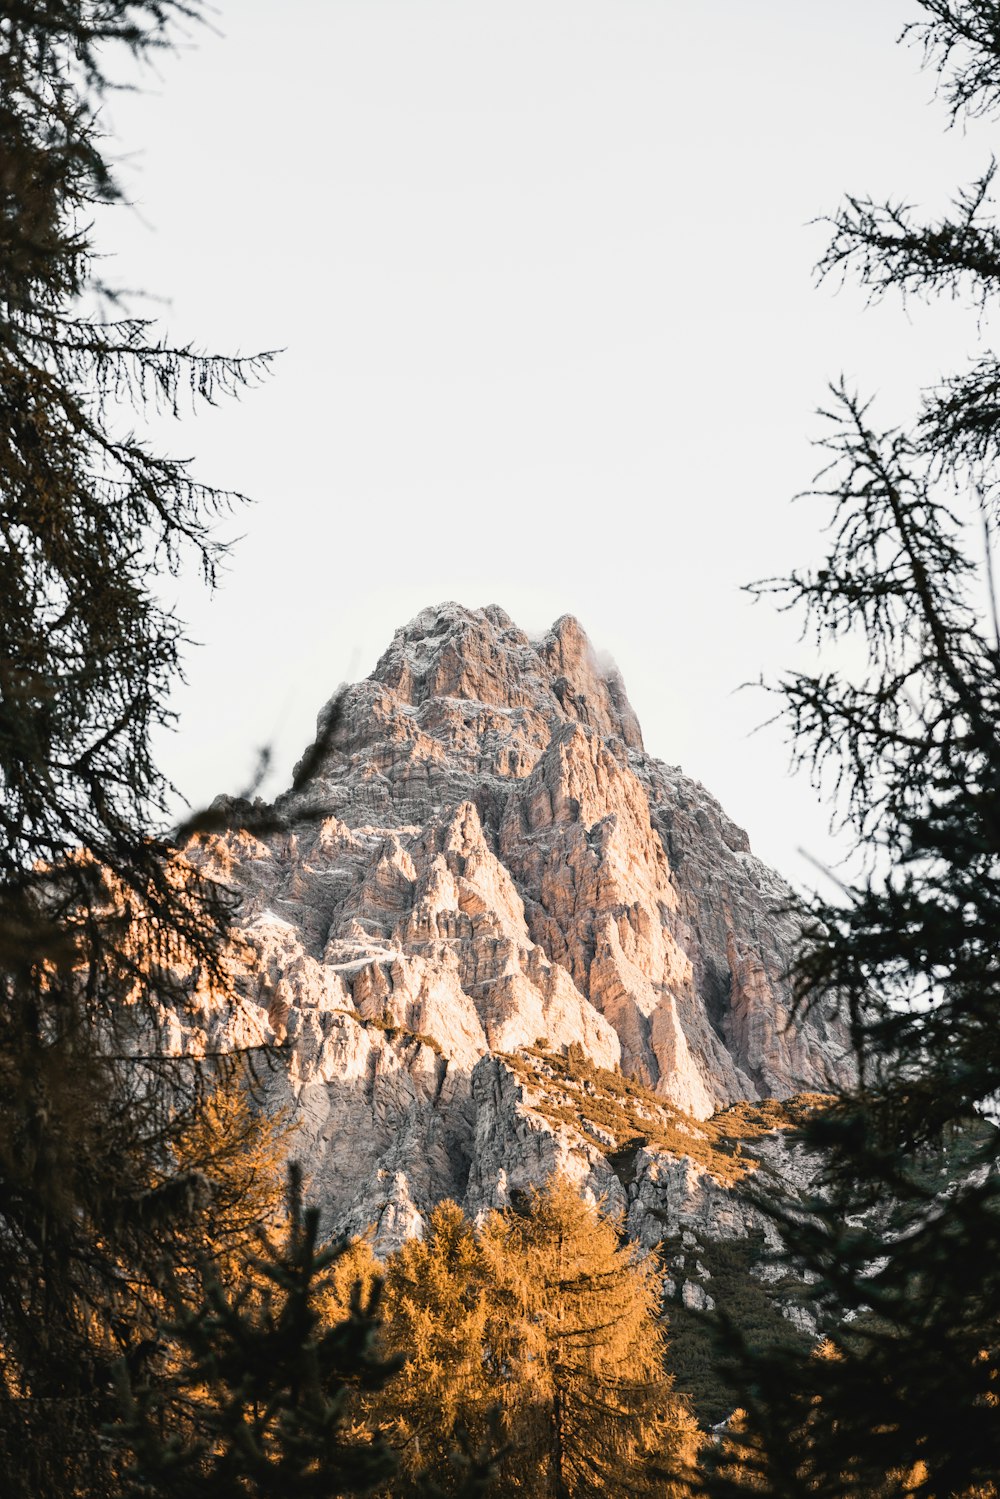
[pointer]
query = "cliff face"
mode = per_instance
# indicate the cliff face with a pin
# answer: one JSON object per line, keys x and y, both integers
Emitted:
{"x": 483, "y": 868}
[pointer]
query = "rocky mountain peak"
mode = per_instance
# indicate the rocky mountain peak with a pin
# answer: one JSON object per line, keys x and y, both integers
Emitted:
{"x": 485, "y": 863}
{"x": 449, "y": 651}
{"x": 468, "y": 685}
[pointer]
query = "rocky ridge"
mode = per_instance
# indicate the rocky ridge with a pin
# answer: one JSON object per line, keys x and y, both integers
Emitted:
{"x": 479, "y": 880}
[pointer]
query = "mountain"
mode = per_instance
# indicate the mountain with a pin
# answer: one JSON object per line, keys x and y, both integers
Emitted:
{"x": 496, "y": 937}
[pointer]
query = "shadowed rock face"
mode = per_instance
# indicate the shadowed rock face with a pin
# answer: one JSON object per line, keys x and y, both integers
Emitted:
{"x": 483, "y": 855}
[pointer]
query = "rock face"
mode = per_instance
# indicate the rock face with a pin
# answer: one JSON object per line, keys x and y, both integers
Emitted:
{"x": 479, "y": 859}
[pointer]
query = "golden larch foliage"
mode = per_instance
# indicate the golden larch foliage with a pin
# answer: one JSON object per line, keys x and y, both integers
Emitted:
{"x": 540, "y": 1330}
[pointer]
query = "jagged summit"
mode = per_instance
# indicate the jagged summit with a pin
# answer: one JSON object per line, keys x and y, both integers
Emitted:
{"x": 483, "y": 860}
{"x": 480, "y": 656}
{"x": 464, "y": 699}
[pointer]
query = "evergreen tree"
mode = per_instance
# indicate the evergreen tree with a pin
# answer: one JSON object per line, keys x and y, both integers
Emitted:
{"x": 597, "y": 1413}
{"x": 444, "y": 1317}
{"x": 100, "y": 918}
{"x": 257, "y": 1400}
{"x": 534, "y": 1336}
{"x": 904, "y": 1241}
{"x": 91, "y": 514}
{"x": 730, "y": 1461}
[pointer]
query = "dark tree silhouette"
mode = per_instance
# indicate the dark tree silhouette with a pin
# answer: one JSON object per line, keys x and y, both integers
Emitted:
{"x": 101, "y": 919}
{"x": 259, "y": 1399}
{"x": 904, "y": 1241}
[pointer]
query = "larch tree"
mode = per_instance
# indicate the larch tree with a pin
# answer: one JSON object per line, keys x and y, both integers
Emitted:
{"x": 534, "y": 1336}
{"x": 104, "y": 1174}
{"x": 597, "y": 1411}
{"x": 903, "y": 1242}
{"x": 237, "y": 1153}
{"x": 440, "y": 1314}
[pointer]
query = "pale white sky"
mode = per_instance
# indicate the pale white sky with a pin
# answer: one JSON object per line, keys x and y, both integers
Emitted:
{"x": 542, "y": 270}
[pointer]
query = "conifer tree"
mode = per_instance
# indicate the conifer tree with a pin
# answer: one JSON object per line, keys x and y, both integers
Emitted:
{"x": 598, "y": 1415}
{"x": 444, "y": 1317}
{"x": 259, "y": 1400}
{"x": 355, "y": 1266}
{"x": 236, "y": 1152}
{"x": 903, "y": 1242}
{"x": 730, "y": 1460}
{"x": 535, "y": 1336}
{"x": 100, "y": 917}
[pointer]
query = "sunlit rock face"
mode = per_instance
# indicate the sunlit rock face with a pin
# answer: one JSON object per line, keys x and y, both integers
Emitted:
{"x": 482, "y": 858}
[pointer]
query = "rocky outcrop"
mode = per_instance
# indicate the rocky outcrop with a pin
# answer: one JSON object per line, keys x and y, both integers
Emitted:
{"x": 479, "y": 860}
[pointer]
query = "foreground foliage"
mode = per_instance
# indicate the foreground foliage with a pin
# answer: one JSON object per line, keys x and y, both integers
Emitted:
{"x": 102, "y": 1170}
{"x": 906, "y": 1239}
{"x": 251, "y": 1392}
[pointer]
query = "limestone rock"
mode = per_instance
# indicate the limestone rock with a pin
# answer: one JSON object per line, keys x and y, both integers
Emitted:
{"x": 478, "y": 858}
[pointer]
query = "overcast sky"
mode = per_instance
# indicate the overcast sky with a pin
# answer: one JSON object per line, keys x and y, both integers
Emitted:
{"x": 542, "y": 273}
